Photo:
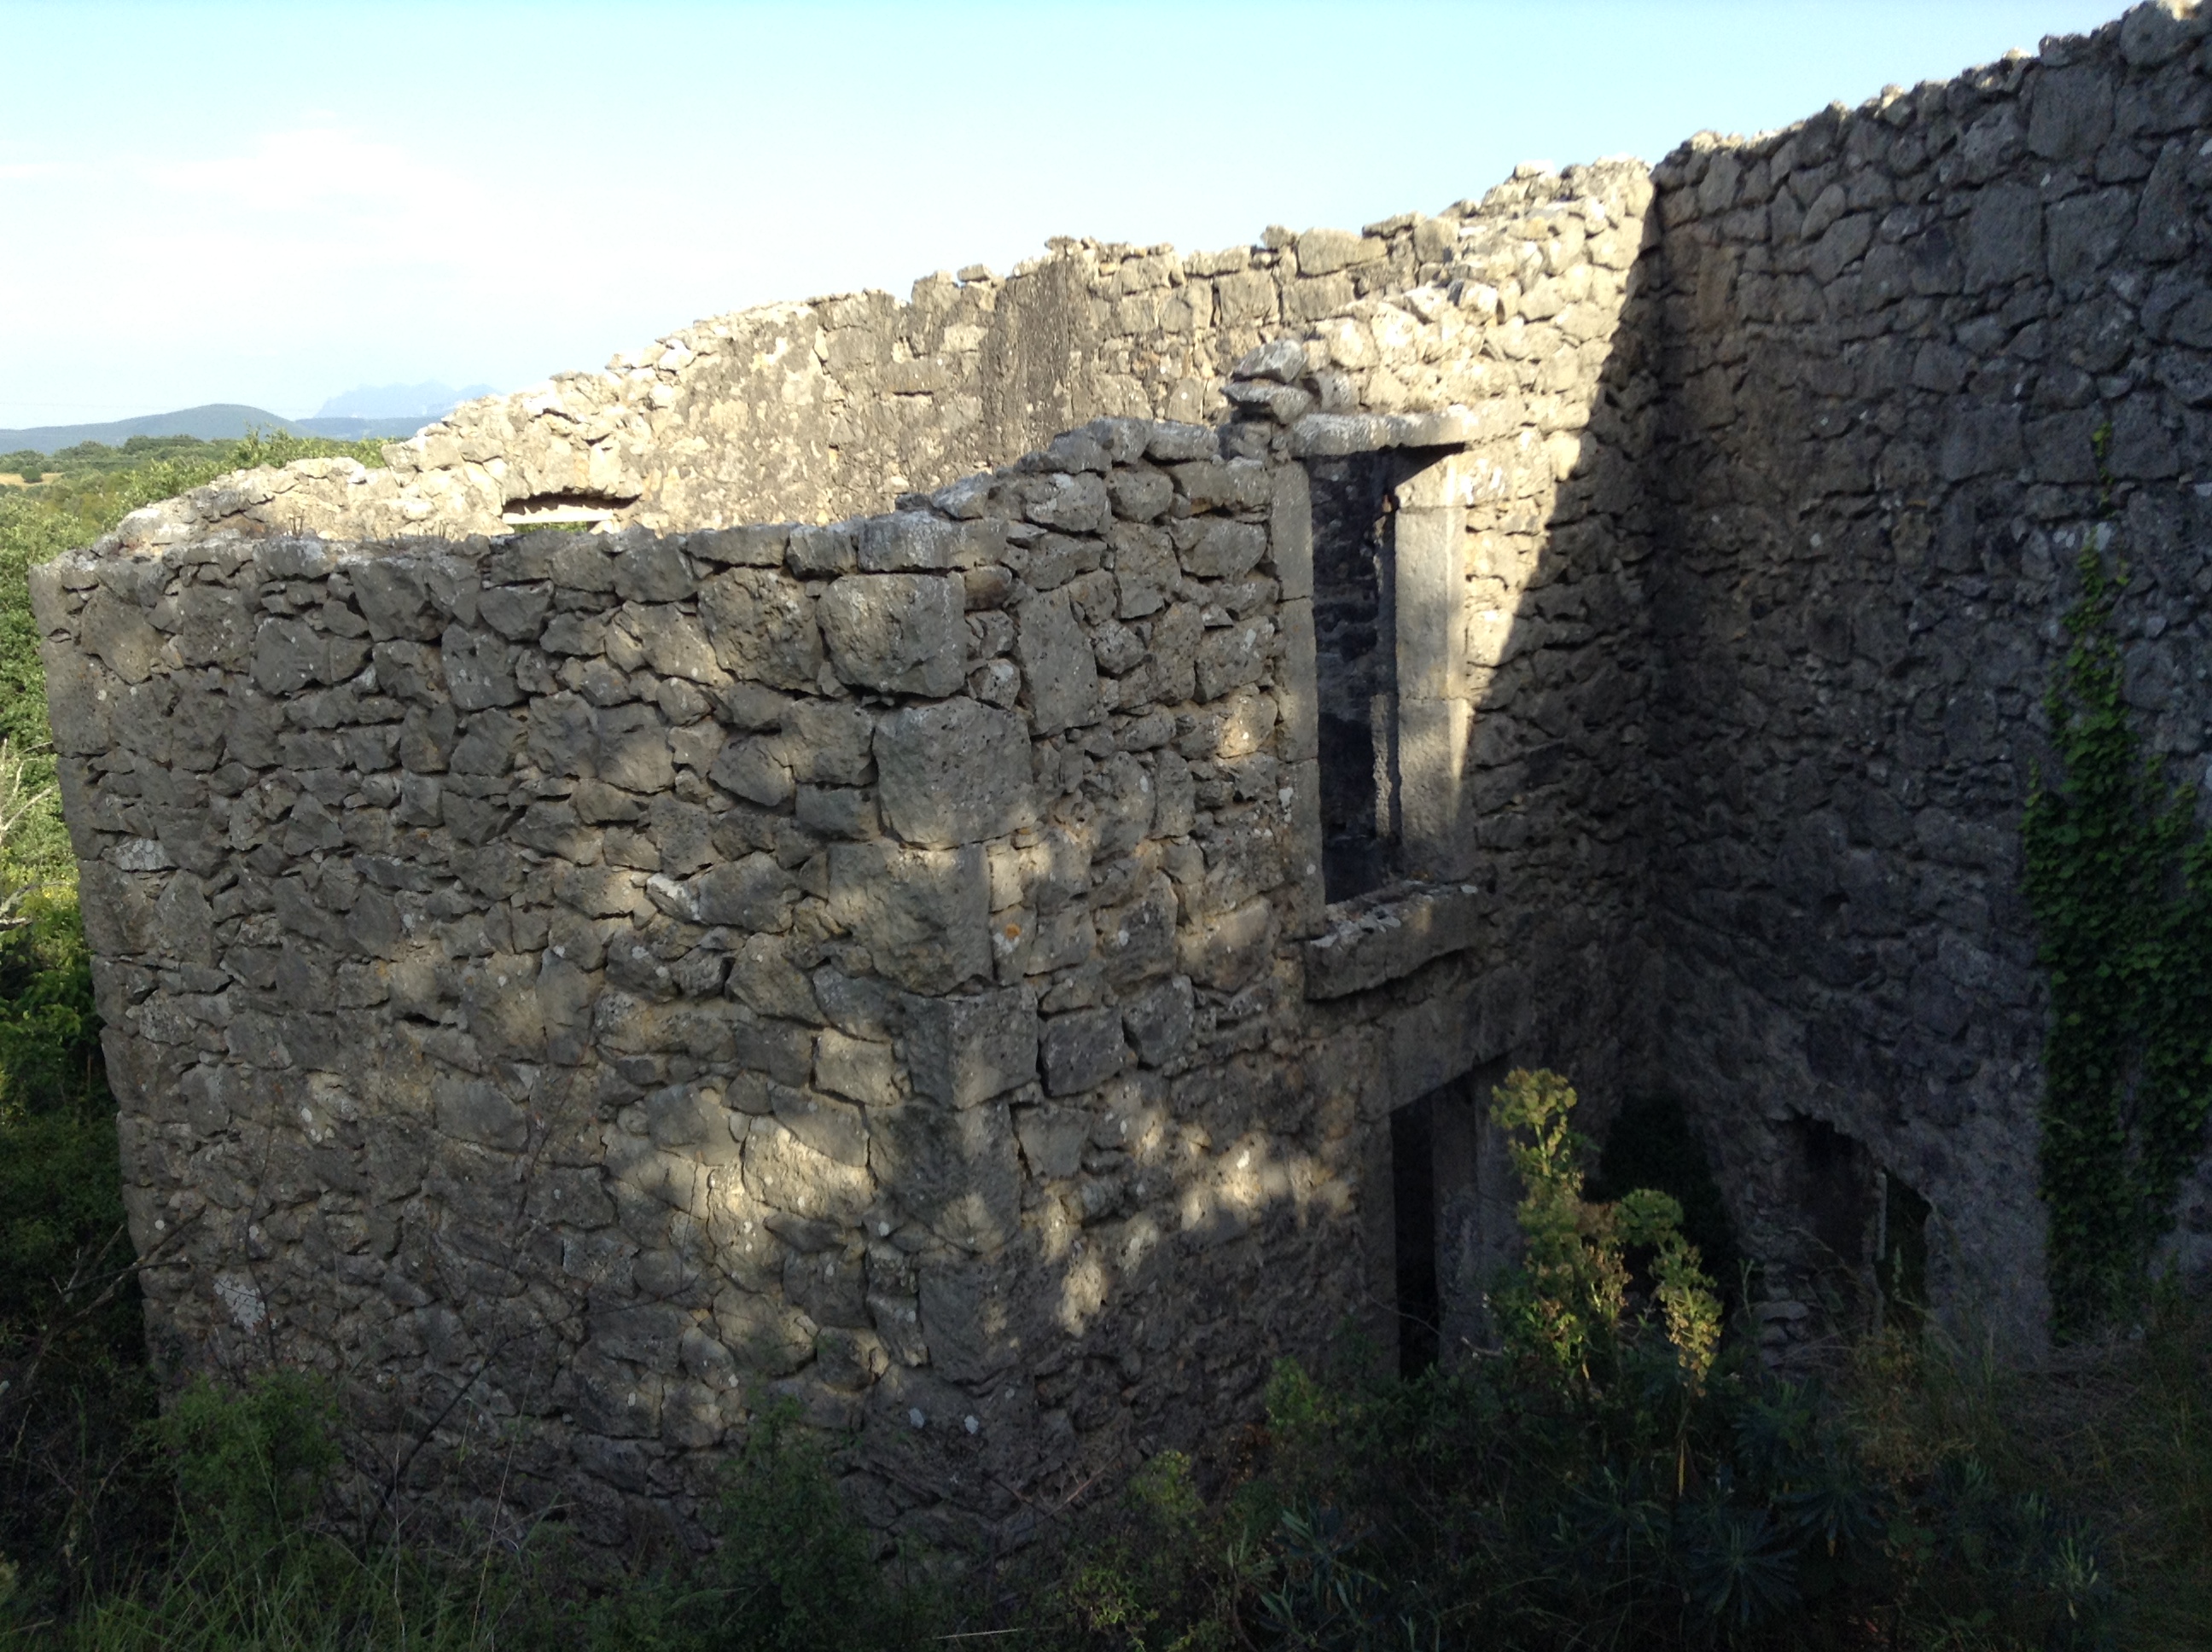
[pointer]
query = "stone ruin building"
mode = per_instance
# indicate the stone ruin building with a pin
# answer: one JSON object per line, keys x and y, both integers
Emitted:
{"x": 982, "y": 891}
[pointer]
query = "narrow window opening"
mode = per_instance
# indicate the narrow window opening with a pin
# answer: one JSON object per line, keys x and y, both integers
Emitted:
{"x": 1413, "y": 1200}
{"x": 583, "y": 513}
{"x": 1356, "y": 671}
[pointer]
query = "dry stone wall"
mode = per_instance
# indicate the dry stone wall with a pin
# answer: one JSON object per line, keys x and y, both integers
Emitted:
{"x": 574, "y": 978}
{"x": 1881, "y": 344}
{"x": 824, "y": 410}
{"x": 890, "y": 954}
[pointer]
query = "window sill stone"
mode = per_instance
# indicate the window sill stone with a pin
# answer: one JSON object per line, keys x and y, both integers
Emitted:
{"x": 1387, "y": 936}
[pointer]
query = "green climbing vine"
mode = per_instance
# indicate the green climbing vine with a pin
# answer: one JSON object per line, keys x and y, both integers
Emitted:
{"x": 2119, "y": 876}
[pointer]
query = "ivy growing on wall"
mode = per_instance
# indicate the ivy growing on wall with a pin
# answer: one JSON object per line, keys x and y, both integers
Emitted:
{"x": 2119, "y": 876}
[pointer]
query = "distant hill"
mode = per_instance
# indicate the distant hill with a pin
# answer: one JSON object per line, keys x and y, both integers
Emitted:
{"x": 215, "y": 422}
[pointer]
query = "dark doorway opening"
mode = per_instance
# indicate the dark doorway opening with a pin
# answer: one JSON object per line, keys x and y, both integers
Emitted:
{"x": 1651, "y": 1145}
{"x": 1356, "y": 669}
{"x": 1835, "y": 1198}
{"x": 1413, "y": 1200}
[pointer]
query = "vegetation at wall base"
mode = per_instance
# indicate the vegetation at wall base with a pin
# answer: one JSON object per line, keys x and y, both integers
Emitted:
{"x": 81, "y": 1492}
{"x": 2119, "y": 876}
{"x": 1639, "y": 1495}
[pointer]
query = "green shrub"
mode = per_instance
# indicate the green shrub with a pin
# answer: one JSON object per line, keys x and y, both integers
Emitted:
{"x": 250, "y": 1561}
{"x": 792, "y": 1568}
{"x": 1613, "y": 1476}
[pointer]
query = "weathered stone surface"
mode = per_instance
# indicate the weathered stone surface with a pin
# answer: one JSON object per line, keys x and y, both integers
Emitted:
{"x": 960, "y": 1052}
{"x": 1158, "y": 1021}
{"x": 782, "y": 1171}
{"x": 119, "y": 634}
{"x": 762, "y": 627}
{"x": 561, "y": 857}
{"x": 860, "y": 1069}
{"x": 1233, "y": 656}
{"x": 953, "y": 773}
{"x": 762, "y": 977}
{"x": 674, "y": 643}
{"x": 957, "y": 1169}
{"x": 909, "y": 540}
{"x": 633, "y": 750}
{"x": 828, "y": 742}
{"x": 901, "y": 633}
{"x": 1228, "y": 951}
{"x": 1137, "y": 938}
{"x": 752, "y": 894}
{"x": 1081, "y": 1050}
{"x": 835, "y": 1129}
{"x": 1387, "y": 942}
{"x": 1059, "y": 677}
{"x": 924, "y": 914}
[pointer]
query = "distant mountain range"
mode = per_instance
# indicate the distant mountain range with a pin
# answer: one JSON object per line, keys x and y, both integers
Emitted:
{"x": 427, "y": 401}
{"x": 369, "y": 410}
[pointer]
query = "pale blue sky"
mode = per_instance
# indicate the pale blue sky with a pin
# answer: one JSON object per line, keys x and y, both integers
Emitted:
{"x": 272, "y": 204}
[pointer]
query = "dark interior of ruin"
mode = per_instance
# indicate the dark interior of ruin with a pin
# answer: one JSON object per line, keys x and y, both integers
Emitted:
{"x": 1414, "y": 1193}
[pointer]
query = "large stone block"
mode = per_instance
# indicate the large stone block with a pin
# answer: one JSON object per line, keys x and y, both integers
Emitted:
{"x": 479, "y": 669}
{"x": 1136, "y": 939}
{"x": 213, "y": 626}
{"x": 2004, "y": 236}
{"x": 1233, "y": 655}
{"x": 1222, "y": 550}
{"x": 1289, "y": 531}
{"x": 962, "y": 1051}
{"x": 762, "y": 625}
{"x": 924, "y": 914}
{"x": 1081, "y": 1050}
{"x": 753, "y": 894}
{"x": 633, "y": 750}
{"x": 901, "y": 633}
{"x": 1225, "y": 953}
{"x": 955, "y": 773}
{"x": 1436, "y": 819}
{"x": 782, "y": 1171}
{"x": 859, "y": 1068}
{"x": 908, "y": 540}
{"x": 1060, "y": 674}
{"x": 288, "y": 653}
{"x": 675, "y": 644}
{"x": 1053, "y": 1138}
{"x": 978, "y": 1318}
{"x": 826, "y": 742}
{"x": 956, "y": 1169}
{"x": 1158, "y": 1020}
{"x": 836, "y": 1130}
